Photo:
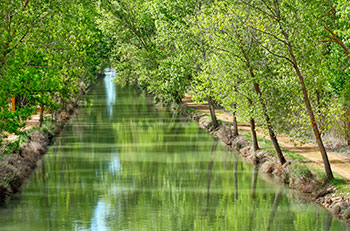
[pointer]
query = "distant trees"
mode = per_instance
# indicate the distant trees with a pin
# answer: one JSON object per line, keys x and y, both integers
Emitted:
{"x": 279, "y": 63}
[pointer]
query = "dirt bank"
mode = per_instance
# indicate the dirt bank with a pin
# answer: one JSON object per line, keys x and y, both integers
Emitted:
{"x": 292, "y": 173}
{"x": 15, "y": 168}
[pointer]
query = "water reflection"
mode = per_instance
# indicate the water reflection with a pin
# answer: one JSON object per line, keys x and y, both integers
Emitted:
{"x": 144, "y": 170}
{"x": 114, "y": 165}
{"x": 254, "y": 181}
{"x": 110, "y": 90}
{"x": 274, "y": 209}
{"x": 101, "y": 213}
{"x": 210, "y": 167}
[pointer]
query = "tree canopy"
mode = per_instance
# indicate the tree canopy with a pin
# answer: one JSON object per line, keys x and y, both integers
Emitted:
{"x": 281, "y": 64}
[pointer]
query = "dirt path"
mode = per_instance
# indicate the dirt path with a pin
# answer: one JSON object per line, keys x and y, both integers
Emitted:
{"x": 32, "y": 122}
{"x": 339, "y": 163}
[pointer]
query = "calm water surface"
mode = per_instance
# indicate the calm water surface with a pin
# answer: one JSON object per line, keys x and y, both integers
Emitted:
{"x": 124, "y": 164}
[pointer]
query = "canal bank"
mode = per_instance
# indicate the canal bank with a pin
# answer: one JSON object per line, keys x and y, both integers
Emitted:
{"x": 21, "y": 159}
{"x": 294, "y": 173}
{"x": 124, "y": 164}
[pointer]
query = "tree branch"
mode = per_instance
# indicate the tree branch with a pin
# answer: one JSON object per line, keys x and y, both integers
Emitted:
{"x": 270, "y": 34}
{"x": 335, "y": 38}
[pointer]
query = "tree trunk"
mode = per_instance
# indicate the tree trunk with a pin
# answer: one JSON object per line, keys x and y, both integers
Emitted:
{"x": 309, "y": 108}
{"x": 234, "y": 121}
{"x": 235, "y": 126}
{"x": 254, "y": 137}
{"x": 13, "y": 104}
{"x": 263, "y": 105}
{"x": 346, "y": 122}
{"x": 41, "y": 120}
{"x": 212, "y": 113}
{"x": 268, "y": 123}
{"x": 177, "y": 98}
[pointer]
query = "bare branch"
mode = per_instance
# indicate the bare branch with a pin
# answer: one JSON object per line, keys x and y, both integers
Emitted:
{"x": 277, "y": 55}
{"x": 270, "y": 34}
{"x": 335, "y": 38}
{"x": 269, "y": 8}
{"x": 259, "y": 9}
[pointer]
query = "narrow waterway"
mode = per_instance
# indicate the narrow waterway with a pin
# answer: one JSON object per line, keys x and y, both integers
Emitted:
{"x": 124, "y": 164}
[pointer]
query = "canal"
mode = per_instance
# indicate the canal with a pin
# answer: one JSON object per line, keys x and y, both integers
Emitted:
{"x": 125, "y": 164}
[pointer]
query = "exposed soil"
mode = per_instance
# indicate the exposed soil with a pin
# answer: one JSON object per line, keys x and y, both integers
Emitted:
{"x": 340, "y": 164}
{"x": 309, "y": 185}
{"x": 15, "y": 168}
{"x": 31, "y": 123}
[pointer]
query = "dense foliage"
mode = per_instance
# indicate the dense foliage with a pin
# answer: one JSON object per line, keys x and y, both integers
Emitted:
{"x": 48, "y": 50}
{"x": 279, "y": 63}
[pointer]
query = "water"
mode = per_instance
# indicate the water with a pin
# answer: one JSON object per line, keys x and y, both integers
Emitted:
{"x": 124, "y": 164}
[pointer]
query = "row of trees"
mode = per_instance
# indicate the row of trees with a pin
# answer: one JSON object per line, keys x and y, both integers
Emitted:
{"x": 47, "y": 48}
{"x": 282, "y": 64}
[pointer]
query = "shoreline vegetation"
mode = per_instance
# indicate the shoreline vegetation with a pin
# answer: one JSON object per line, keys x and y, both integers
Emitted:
{"x": 50, "y": 53}
{"x": 20, "y": 162}
{"x": 18, "y": 166}
{"x": 313, "y": 186}
{"x": 282, "y": 66}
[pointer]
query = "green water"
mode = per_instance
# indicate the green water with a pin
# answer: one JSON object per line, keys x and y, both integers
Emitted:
{"x": 124, "y": 164}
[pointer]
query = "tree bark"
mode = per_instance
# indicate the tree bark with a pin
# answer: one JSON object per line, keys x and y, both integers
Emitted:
{"x": 13, "y": 104}
{"x": 234, "y": 121}
{"x": 254, "y": 137}
{"x": 235, "y": 125}
{"x": 212, "y": 113}
{"x": 308, "y": 107}
{"x": 263, "y": 105}
{"x": 41, "y": 120}
{"x": 346, "y": 120}
{"x": 268, "y": 124}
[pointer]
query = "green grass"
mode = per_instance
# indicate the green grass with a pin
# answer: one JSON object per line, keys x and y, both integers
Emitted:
{"x": 299, "y": 170}
{"x": 294, "y": 156}
{"x": 339, "y": 182}
{"x": 267, "y": 146}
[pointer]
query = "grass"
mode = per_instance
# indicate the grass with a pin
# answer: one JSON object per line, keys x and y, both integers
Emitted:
{"x": 14, "y": 146}
{"x": 339, "y": 182}
{"x": 299, "y": 170}
{"x": 268, "y": 147}
{"x": 294, "y": 156}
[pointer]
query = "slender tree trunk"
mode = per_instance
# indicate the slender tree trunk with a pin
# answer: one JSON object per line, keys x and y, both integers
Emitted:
{"x": 254, "y": 137}
{"x": 346, "y": 121}
{"x": 235, "y": 126}
{"x": 41, "y": 120}
{"x": 269, "y": 125}
{"x": 178, "y": 99}
{"x": 263, "y": 105}
{"x": 13, "y": 104}
{"x": 212, "y": 113}
{"x": 234, "y": 122}
{"x": 309, "y": 108}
